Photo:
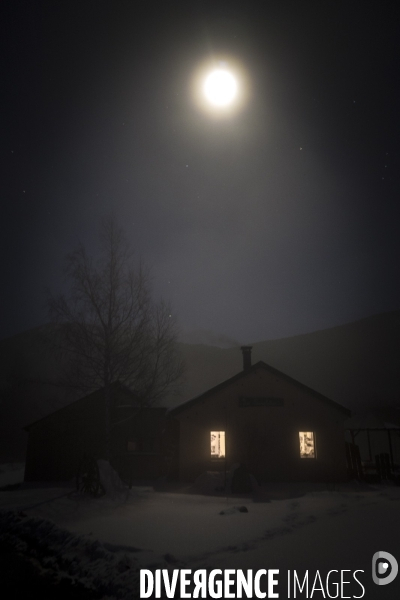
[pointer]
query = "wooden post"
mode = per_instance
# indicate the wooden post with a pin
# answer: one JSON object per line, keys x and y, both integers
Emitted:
{"x": 225, "y": 464}
{"x": 369, "y": 445}
{"x": 352, "y": 436}
{"x": 390, "y": 449}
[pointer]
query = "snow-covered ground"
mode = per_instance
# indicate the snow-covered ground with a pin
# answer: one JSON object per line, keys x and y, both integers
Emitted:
{"x": 11, "y": 473}
{"x": 112, "y": 537}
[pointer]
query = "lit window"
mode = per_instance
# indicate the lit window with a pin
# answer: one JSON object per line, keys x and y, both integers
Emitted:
{"x": 307, "y": 444}
{"x": 217, "y": 444}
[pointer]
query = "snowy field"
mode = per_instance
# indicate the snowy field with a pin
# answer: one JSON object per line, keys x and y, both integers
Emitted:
{"x": 104, "y": 542}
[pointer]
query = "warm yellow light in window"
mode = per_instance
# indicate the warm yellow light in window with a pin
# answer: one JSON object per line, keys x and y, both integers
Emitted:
{"x": 307, "y": 444}
{"x": 217, "y": 444}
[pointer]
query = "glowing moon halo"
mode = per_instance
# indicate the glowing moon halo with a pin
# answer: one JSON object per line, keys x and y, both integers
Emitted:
{"x": 220, "y": 87}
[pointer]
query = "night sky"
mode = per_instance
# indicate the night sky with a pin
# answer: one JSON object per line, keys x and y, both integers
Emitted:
{"x": 280, "y": 219}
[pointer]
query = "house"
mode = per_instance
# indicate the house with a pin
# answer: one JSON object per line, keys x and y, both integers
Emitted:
{"x": 138, "y": 438}
{"x": 280, "y": 429}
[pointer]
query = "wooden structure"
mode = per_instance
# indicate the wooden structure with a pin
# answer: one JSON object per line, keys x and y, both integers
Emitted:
{"x": 280, "y": 429}
{"x": 139, "y": 435}
{"x": 376, "y": 435}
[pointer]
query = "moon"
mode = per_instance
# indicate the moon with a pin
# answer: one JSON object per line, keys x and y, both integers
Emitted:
{"x": 220, "y": 87}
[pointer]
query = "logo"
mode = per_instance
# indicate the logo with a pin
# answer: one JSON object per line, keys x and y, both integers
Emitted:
{"x": 384, "y": 568}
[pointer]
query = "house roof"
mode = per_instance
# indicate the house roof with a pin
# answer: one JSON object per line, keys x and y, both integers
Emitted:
{"x": 387, "y": 417}
{"x": 259, "y": 365}
{"x": 115, "y": 388}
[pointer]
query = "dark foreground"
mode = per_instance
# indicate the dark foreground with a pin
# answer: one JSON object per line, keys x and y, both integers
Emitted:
{"x": 20, "y": 578}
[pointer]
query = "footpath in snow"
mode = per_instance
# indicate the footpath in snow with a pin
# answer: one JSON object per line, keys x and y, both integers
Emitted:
{"x": 103, "y": 543}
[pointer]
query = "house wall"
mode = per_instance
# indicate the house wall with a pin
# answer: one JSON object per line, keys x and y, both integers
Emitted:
{"x": 57, "y": 443}
{"x": 146, "y": 431}
{"x": 264, "y": 438}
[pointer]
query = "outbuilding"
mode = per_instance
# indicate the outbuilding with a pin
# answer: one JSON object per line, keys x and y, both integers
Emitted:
{"x": 272, "y": 425}
{"x": 373, "y": 446}
{"x": 139, "y": 436}
{"x": 278, "y": 428}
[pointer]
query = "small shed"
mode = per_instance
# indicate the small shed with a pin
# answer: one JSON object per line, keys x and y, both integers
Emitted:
{"x": 58, "y": 442}
{"x": 280, "y": 429}
{"x": 374, "y": 437}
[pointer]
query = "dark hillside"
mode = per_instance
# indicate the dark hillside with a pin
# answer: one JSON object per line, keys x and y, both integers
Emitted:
{"x": 356, "y": 364}
{"x": 28, "y": 367}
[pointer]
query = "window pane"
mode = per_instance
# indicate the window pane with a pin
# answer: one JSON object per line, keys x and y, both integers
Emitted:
{"x": 307, "y": 444}
{"x": 217, "y": 444}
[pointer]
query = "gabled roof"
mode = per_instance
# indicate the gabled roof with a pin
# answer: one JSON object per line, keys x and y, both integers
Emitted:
{"x": 259, "y": 365}
{"x": 115, "y": 388}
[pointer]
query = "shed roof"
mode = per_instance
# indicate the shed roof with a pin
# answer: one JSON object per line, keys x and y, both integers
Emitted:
{"x": 386, "y": 417}
{"x": 116, "y": 389}
{"x": 259, "y": 365}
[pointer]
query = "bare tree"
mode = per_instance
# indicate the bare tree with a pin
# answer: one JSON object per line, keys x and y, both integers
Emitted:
{"x": 111, "y": 329}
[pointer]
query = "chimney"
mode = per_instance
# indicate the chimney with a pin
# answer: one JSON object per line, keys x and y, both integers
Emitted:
{"x": 246, "y": 351}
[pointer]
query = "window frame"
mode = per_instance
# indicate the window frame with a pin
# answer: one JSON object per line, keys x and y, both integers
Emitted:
{"x": 216, "y": 457}
{"x": 314, "y": 444}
